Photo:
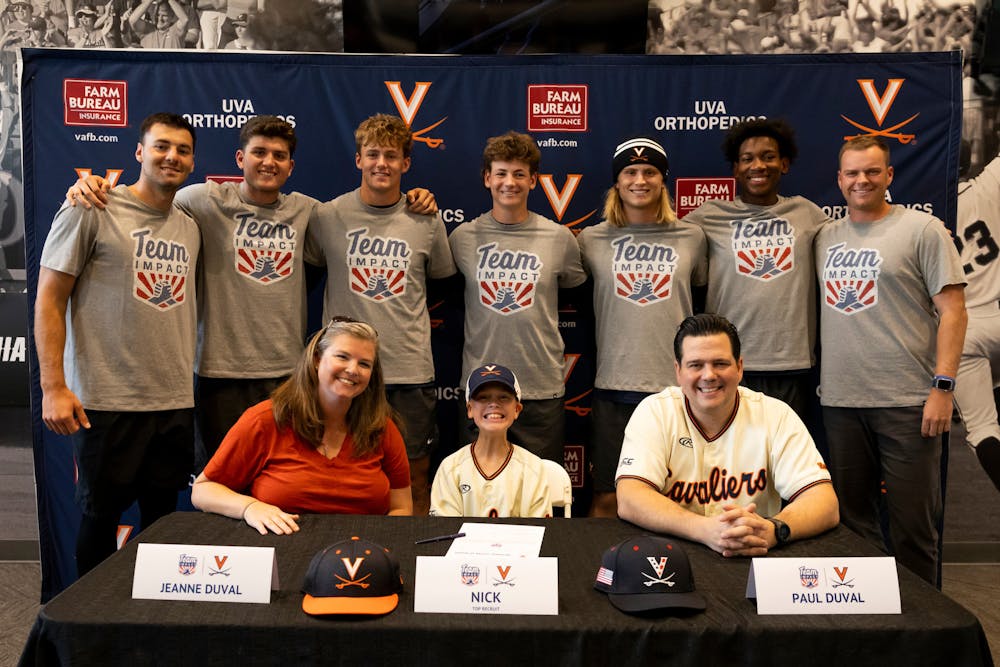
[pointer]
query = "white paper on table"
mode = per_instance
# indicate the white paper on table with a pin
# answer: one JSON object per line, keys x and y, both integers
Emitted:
{"x": 492, "y": 539}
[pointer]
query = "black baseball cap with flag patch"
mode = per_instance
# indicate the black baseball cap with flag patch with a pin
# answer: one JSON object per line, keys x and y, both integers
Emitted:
{"x": 644, "y": 573}
{"x": 354, "y": 576}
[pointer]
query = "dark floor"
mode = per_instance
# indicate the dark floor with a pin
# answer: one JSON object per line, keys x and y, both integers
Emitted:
{"x": 972, "y": 538}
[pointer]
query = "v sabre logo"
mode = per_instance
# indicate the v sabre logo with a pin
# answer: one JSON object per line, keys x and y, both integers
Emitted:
{"x": 658, "y": 565}
{"x": 408, "y": 106}
{"x": 110, "y": 175}
{"x": 880, "y": 104}
{"x": 559, "y": 199}
{"x": 352, "y": 566}
{"x": 842, "y": 579}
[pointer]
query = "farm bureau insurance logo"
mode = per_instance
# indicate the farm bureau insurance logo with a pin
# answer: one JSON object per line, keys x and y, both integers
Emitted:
{"x": 557, "y": 108}
{"x": 880, "y": 104}
{"x": 408, "y": 106}
{"x": 95, "y": 102}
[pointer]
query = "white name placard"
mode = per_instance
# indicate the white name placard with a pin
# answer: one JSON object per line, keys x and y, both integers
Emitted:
{"x": 824, "y": 585}
{"x": 204, "y": 572}
{"x": 487, "y": 585}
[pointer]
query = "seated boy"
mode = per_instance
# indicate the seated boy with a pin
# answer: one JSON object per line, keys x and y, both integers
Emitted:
{"x": 491, "y": 477}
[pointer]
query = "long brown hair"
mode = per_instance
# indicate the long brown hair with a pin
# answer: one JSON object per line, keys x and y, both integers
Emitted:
{"x": 296, "y": 402}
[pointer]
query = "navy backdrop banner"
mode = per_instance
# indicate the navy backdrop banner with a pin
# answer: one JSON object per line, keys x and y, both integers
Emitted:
{"x": 81, "y": 111}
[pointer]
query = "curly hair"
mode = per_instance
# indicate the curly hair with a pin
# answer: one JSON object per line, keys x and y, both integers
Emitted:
{"x": 775, "y": 128}
{"x": 511, "y": 147}
{"x": 384, "y": 130}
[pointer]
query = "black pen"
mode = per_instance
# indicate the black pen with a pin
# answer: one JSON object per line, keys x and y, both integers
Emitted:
{"x": 440, "y": 538}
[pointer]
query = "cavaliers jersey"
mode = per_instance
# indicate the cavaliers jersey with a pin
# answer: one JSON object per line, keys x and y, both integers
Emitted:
{"x": 763, "y": 455}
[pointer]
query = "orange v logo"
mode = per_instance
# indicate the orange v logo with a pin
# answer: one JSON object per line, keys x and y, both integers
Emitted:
{"x": 841, "y": 572}
{"x": 408, "y": 106}
{"x": 352, "y": 566}
{"x": 880, "y": 104}
{"x": 559, "y": 199}
{"x": 219, "y": 562}
{"x": 503, "y": 571}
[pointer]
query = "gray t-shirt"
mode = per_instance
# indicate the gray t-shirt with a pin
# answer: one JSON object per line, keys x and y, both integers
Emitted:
{"x": 252, "y": 297}
{"x": 642, "y": 291}
{"x": 878, "y": 323}
{"x": 512, "y": 278}
{"x": 131, "y": 318}
{"x": 378, "y": 262}
{"x": 760, "y": 277}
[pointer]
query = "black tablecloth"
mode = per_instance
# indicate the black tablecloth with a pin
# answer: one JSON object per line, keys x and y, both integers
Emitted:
{"x": 96, "y": 621}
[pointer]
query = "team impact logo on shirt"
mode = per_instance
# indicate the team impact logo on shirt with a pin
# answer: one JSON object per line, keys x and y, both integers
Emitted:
{"x": 643, "y": 271}
{"x": 161, "y": 269}
{"x": 850, "y": 278}
{"x": 377, "y": 264}
{"x": 264, "y": 249}
{"x": 507, "y": 278}
{"x": 763, "y": 248}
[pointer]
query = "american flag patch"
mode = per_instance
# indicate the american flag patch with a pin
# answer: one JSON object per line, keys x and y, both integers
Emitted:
{"x": 605, "y": 576}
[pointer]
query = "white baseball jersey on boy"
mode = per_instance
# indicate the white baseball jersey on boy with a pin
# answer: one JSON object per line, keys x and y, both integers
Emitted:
{"x": 252, "y": 295}
{"x": 512, "y": 278}
{"x": 763, "y": 455}
{"x": 518, "y": 489}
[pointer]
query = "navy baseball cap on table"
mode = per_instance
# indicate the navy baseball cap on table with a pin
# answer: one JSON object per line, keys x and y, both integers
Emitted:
{"x": 491, "y": 373}
{"x": 353, "y": 576}
{"x": 644, "y": 573}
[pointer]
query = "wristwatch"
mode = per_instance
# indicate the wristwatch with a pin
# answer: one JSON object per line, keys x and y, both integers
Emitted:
{"x": 943, "y": 382}
{"x": 782, "y": 532}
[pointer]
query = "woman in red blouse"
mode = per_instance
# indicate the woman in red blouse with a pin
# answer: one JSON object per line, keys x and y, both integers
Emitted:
{"x": 325, "y": 442}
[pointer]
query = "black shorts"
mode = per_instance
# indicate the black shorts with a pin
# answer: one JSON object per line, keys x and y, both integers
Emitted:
{"x": 417, "y": 409}
{"x": 125, "y": 452}
{"x": 220, "y": 402}
{"x": 608, "y": 419}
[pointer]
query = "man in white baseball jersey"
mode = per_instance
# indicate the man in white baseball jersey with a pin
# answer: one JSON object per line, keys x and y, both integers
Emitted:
{"x": 711, "y": 461}
{"x": 979, "y": 371}
{"x": 491, "y": 477}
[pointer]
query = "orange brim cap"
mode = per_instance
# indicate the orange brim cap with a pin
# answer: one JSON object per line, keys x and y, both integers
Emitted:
{"x": 319, "y": 606}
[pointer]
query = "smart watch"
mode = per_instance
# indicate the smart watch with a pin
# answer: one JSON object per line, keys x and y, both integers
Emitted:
{"x": 943, "y": 382}
{"x": 782, "y": 532}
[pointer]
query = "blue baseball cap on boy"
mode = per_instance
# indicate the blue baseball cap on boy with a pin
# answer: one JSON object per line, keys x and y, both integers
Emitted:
{"x": 491, "y": 373}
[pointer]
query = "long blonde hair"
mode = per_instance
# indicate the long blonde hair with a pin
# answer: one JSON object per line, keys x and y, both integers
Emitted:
{"x": 615, "y": 215}
{"x": 296, "y": 405}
